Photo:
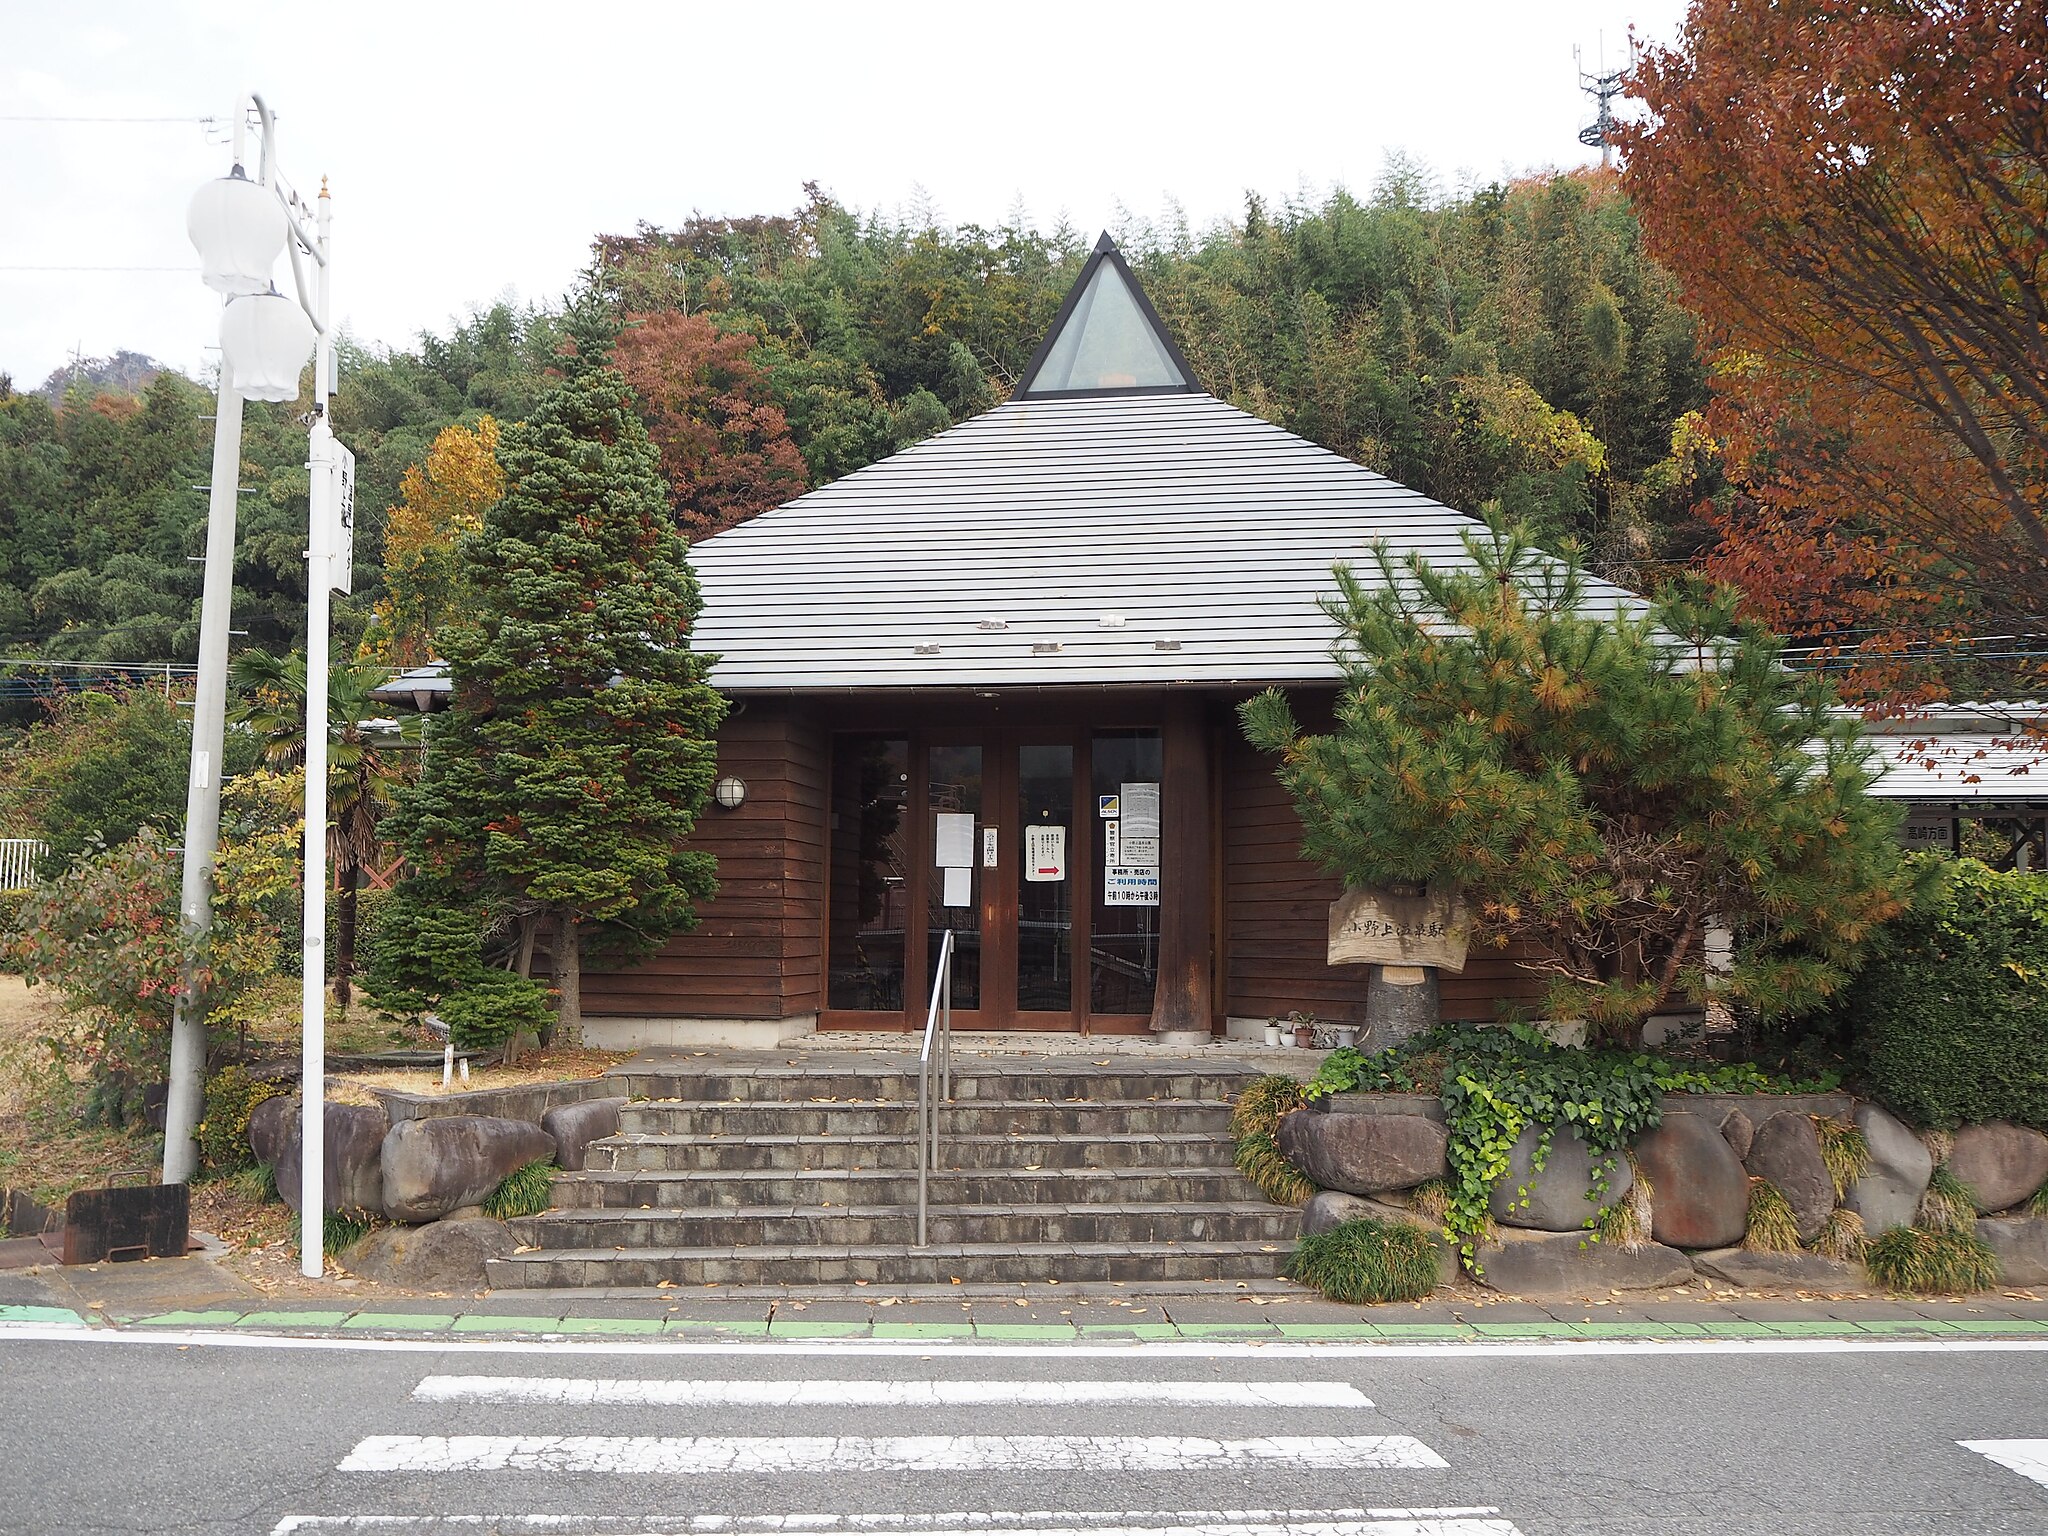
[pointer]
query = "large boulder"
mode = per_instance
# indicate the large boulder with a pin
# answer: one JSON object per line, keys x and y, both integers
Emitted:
{"x": 352, "y": 1142}
{"x": 1739, "y": 1130}
{"x": 270, "y": 1122}
{"x": 2000, "y": 1164}
{"x": 1572, "y": 1264}
{"x": 2021, "y": 1243}
{"x": 440, "y": 1256}
{"x": 576, "y": 1126}
{"x": 1887, "y": 1195}
{"x": 1365, "y": 1154}
{"x": 433, "y": 1166}
{"x": 1786, "y": 1150}
{"x": 1699, "y": 1193}
{"x": 1333, "y": 1208}
{"x": 1755, "y": 1271}
{"x": 1559, "y": 1198}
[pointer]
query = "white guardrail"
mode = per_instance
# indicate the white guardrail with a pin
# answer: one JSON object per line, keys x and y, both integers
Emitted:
{"x": 18, "y": 859}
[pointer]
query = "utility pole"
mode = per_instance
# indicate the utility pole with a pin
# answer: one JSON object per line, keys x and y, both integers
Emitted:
{"x": 1603, "y": 87}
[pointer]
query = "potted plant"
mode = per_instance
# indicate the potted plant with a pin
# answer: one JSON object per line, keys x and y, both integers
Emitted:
{"x": 1272, "y": 1032}
{"x": 1304, "y": 1029}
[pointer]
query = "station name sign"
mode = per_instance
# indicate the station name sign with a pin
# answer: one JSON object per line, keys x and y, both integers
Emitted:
{"x": 1376, "y": 926}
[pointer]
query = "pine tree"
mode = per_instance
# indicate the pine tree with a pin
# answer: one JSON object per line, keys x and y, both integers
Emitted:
{"x": 1601, "y": 787}
{"x": 566, "y": 775}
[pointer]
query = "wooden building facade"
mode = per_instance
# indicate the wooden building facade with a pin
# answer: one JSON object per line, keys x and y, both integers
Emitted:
{"x": 989, "y": 686}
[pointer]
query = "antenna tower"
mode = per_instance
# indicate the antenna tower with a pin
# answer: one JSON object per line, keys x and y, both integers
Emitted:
{"x": 1603, "y": 87}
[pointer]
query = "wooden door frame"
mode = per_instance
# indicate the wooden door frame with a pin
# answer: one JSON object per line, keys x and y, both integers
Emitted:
{"x": 960, "y": 718}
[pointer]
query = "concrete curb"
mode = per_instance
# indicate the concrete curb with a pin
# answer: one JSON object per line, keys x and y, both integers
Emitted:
{"x": 470, "y": 1325}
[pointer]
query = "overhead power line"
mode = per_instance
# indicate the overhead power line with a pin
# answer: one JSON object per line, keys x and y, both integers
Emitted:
{"x": 47, "y": 117}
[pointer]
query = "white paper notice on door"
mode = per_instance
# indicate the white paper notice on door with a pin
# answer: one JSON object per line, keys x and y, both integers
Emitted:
{"x": 1141, "y": 811}
{"x": 959, "y": 888}
{"x": 954, "y": 841}
{"x": 1126, "y": 885}
{"x": 1045, "y": 853}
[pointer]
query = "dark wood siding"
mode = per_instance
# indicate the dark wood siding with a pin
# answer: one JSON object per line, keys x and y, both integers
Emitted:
{"x": 754, "y": 951}
{"x": 1276, "y": 912}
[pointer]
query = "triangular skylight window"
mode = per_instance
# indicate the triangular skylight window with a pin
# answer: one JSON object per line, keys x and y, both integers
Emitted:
{"x": 1107, "y": 338}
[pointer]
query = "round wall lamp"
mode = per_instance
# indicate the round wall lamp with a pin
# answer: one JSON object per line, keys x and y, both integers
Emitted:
{"x": 730, "y": 792}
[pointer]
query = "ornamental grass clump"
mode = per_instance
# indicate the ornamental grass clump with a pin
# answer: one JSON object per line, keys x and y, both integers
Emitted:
{"x": 1841, "y": 1237}
{"x": 525, "y": 1191}
{"x": 1939, "y": 1263}
{"x": 1626, "y": 1223}
{"x": 1255, "y": 1126}
{"x": 1367, "y": 1260}
{"x": 1771, "y": 1228}
{"x": 1844, "y": 1150}
{"x": 1947, "y": 1206}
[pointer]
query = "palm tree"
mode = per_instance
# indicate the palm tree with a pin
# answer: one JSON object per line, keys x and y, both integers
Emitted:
{"x": 363, "y": 772}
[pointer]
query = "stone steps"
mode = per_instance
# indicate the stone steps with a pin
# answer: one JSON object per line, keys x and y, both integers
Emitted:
{"x": 871, "y": 1225}
{"x": 793, "y": 1174}
{"x": 973, "y": 1080}
{"x": 1043, "y": 1149}
{"x": 855, "y": 1117}
{"x": 890, "y": 1264}
{"x": 706, "y": 1189}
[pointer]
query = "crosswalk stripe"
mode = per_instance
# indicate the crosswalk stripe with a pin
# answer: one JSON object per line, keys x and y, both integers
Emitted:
{"x": 924, "y": 1523}
{"x": 1483, "y": 1520}
{"x": 741, "y": 1455}
{"x": 2029, "y": 1458}
{"x": 589, "y": 1392}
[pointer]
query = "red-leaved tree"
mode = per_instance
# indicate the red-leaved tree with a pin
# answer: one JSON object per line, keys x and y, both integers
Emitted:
{"x": 726, "y": 449}
{"x": 1854, "y": 196}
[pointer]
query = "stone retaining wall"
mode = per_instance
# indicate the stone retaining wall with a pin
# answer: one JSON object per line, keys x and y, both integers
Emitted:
{"x": 524, "y": 1101}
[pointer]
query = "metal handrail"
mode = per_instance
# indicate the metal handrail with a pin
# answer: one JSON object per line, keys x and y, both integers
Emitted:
{"x": 934, "y": 1066}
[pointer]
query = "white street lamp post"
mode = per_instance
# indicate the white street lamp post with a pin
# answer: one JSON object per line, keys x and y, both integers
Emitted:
{"x": 239, "y": 227}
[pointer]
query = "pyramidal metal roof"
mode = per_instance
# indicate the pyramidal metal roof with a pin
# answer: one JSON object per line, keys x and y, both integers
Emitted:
{"x": 1163, "y": 538}
{"x": 1110, "y": 525}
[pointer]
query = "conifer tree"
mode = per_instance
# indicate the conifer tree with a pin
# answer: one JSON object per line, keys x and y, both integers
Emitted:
{"x": 1601, "y": 786}
{"x": 577, "y": 751}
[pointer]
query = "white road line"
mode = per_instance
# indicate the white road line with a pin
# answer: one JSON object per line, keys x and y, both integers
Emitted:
{"x": 981, "y": 1522}
{"x": 2029, "y": 1458}
{"x": 747, "y": 1455}
{"x": 934, "y": 1349}
{"x": 587, "y": 1392}
{"x": 1454, "y": 1520}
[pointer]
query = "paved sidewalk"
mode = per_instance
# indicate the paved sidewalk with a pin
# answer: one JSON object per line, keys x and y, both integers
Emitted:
{"x": 194, "y": 1294}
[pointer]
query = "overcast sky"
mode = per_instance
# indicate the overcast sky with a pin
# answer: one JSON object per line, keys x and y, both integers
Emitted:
{"x": 473, "y": 150}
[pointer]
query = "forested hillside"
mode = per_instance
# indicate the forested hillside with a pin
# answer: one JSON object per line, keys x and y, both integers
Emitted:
{"x": 1510, "y": 344}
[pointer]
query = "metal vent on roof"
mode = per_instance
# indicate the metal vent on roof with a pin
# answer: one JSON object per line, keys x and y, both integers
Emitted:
{"x": 1110, "y": 621}
{"x": 1047, "y": 647}
{"x": 993, "y": 624}
{"x": 927, "y": 648}
{"x": 1165, "y": 645}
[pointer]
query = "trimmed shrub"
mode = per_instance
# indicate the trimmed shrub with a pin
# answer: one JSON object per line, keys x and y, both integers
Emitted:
{"x": 490, "y": 1010}
{"x": 1949, "y": 1018}
{"x": 1367, "y": 1260}
{"x": 231, "y": 1097}
{"x": 1943, "y": 1263}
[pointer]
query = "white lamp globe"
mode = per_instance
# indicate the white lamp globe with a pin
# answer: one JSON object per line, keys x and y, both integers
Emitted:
{"x": 238, "y": 230}
{"x": 265, "y": 340}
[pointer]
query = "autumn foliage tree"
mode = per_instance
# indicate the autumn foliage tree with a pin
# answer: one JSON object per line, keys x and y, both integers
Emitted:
{"x": 1854, "y": 196}
{"x": 726, "y": 449}
{"x": 440, "y": 499}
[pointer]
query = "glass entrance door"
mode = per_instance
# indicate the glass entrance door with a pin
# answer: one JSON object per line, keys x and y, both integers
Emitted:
{"x": 1038, "y": 850}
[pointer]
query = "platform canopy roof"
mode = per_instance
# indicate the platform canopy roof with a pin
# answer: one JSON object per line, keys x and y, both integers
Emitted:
{"x": 1110, "y": 524}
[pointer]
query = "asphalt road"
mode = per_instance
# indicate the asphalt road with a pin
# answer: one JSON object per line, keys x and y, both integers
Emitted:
{"x": 140, "y": 1434}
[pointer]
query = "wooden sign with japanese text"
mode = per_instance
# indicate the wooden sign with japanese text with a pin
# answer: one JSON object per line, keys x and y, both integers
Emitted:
{"x": 1382, "y": 927}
